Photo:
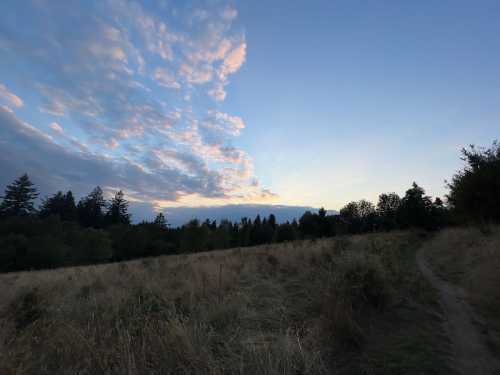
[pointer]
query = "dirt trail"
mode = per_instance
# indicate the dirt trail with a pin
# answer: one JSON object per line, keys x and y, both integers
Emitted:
{"x": 470, "y": 353}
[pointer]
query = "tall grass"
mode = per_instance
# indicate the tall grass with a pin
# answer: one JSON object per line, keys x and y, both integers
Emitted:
{"x": 282, "y": 309}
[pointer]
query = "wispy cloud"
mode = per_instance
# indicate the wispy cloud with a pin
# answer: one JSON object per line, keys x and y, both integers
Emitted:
{"x": 9, "y": 97}
{"x": 136, "y": 87}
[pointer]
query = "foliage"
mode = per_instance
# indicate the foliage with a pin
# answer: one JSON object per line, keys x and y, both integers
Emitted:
{"x": 18, "y": 198}
{"x": 475, "y": 190}
{"x": 91, "y": 209}
{"x": 96, "y": 230}
{"x": 360, "y": 216}
{"x": 118, "y": 210}
{"x": 59, "y": 204}
{"x": 387, "y": 209}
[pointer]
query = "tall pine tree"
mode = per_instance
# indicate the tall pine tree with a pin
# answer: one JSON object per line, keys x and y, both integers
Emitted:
{"x": 19, "y": 197}
{"x": 118, "y": 210}
{"x": 90, "y": 209}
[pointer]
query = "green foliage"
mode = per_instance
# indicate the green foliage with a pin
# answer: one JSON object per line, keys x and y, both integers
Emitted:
{"x": 285, "y": 232}
{"x": 58, "y": 236}
{"x": 91, "y": 209}
{"x": 161, "y": 221}
{"x": 387, "y": 209}
{"x": 130, "y": 242}
{"x": 475, "y": 190}
{"x": 360, "y": 216}
{"x": 18, "y": 198}
{"x": 194, "y": 237}
{"x": 59, "y": 204}
{"x": 90, "y": 246}
{"x": 118, "y": 210}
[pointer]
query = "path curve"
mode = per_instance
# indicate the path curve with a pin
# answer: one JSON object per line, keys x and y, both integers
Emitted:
{"x": 470, "y": 353}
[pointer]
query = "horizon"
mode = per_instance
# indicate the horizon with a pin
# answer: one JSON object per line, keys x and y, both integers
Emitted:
{"x": 211, "y": 104}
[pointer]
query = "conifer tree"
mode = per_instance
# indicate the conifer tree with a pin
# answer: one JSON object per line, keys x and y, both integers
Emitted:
{"x": 118, "y": 210}
{"x": 90, "y": 209}
{"x": 59, "y": 204}
{"x": 19, "y": 197}
{"x": 161, "y": 221}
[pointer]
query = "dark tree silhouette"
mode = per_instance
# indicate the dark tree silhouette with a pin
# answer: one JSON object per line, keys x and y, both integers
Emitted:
{"x": 161, "y": 221}
{"x": 416, "y": 208}
{"x": 59, "y": 204}
{"x": 272, "y": 221}
{"x": 118, "y": 210}
{"x": 91, "y": 209}
{"x": 475, "y": 190}
{"x": 19, "y": 197}
{"x": 359, "y": 216}
{"x": 387, "y": 209}
{"x": 308, "y": 225}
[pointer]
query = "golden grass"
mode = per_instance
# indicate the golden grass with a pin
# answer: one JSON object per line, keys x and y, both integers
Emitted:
{"x": 292, "y": 308}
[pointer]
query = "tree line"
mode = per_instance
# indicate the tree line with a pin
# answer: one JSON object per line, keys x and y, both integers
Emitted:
{"x": 61, "y": 232}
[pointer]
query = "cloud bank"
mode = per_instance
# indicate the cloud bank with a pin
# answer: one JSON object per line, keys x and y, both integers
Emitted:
{"x": 125, "y": 95}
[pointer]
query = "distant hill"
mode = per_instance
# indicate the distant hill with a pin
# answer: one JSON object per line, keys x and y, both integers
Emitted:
{"x": 177, "y": 216}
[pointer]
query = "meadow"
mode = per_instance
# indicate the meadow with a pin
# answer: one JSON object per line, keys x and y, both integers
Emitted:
{"x": 348, "y": 305}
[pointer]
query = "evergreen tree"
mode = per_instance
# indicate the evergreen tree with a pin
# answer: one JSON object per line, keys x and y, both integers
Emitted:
{"x": 19, "y": 197}
{"x": 161, "y": 221}
{"x": 59, "y": 204}
{"x": 118, "y": 210}
{"x": 272, "y": 221}
{"x": 91, "y": 209}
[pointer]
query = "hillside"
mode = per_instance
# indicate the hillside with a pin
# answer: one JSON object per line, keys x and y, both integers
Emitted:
{"x": 351, "y": 305}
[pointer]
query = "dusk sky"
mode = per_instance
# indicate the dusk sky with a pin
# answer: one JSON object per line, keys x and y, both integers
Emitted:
{"x": 189, "y": 103}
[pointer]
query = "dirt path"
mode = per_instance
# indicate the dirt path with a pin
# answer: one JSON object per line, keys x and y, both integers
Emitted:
{"x": 470, "y": 353}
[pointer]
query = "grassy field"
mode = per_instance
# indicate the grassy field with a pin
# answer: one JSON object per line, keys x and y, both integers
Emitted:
{"x": 349, "y": 305}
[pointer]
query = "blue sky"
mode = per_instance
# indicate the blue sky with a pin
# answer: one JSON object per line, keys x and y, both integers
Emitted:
{"x": 311, "y": 103}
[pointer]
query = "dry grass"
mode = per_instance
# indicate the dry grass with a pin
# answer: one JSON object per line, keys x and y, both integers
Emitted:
{"x": 470, "y": 258}
{"x": 296, "y": 308}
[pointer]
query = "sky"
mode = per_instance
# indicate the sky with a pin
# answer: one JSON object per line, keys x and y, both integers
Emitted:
{"x": 218, "y": 102}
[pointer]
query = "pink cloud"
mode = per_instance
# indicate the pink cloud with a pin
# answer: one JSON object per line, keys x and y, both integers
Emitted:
{"x": 10, "y": 97}
{"x": 56, "y": 127}
{"x": 164, "y": 78}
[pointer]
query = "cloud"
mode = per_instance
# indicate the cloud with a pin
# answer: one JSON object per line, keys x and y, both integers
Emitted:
{"x": 233, "y": 61}
{"x": 9, "y": 97}
{"x": 196, "y": 74}
{"x": 166, "y": 79}
{"x": 134, "y": 85}
{"x": 28, "y": 149}
{"x": 229, "y": 13}
{"x": 56, "y": 127}
{"x": 223, "y": 122}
